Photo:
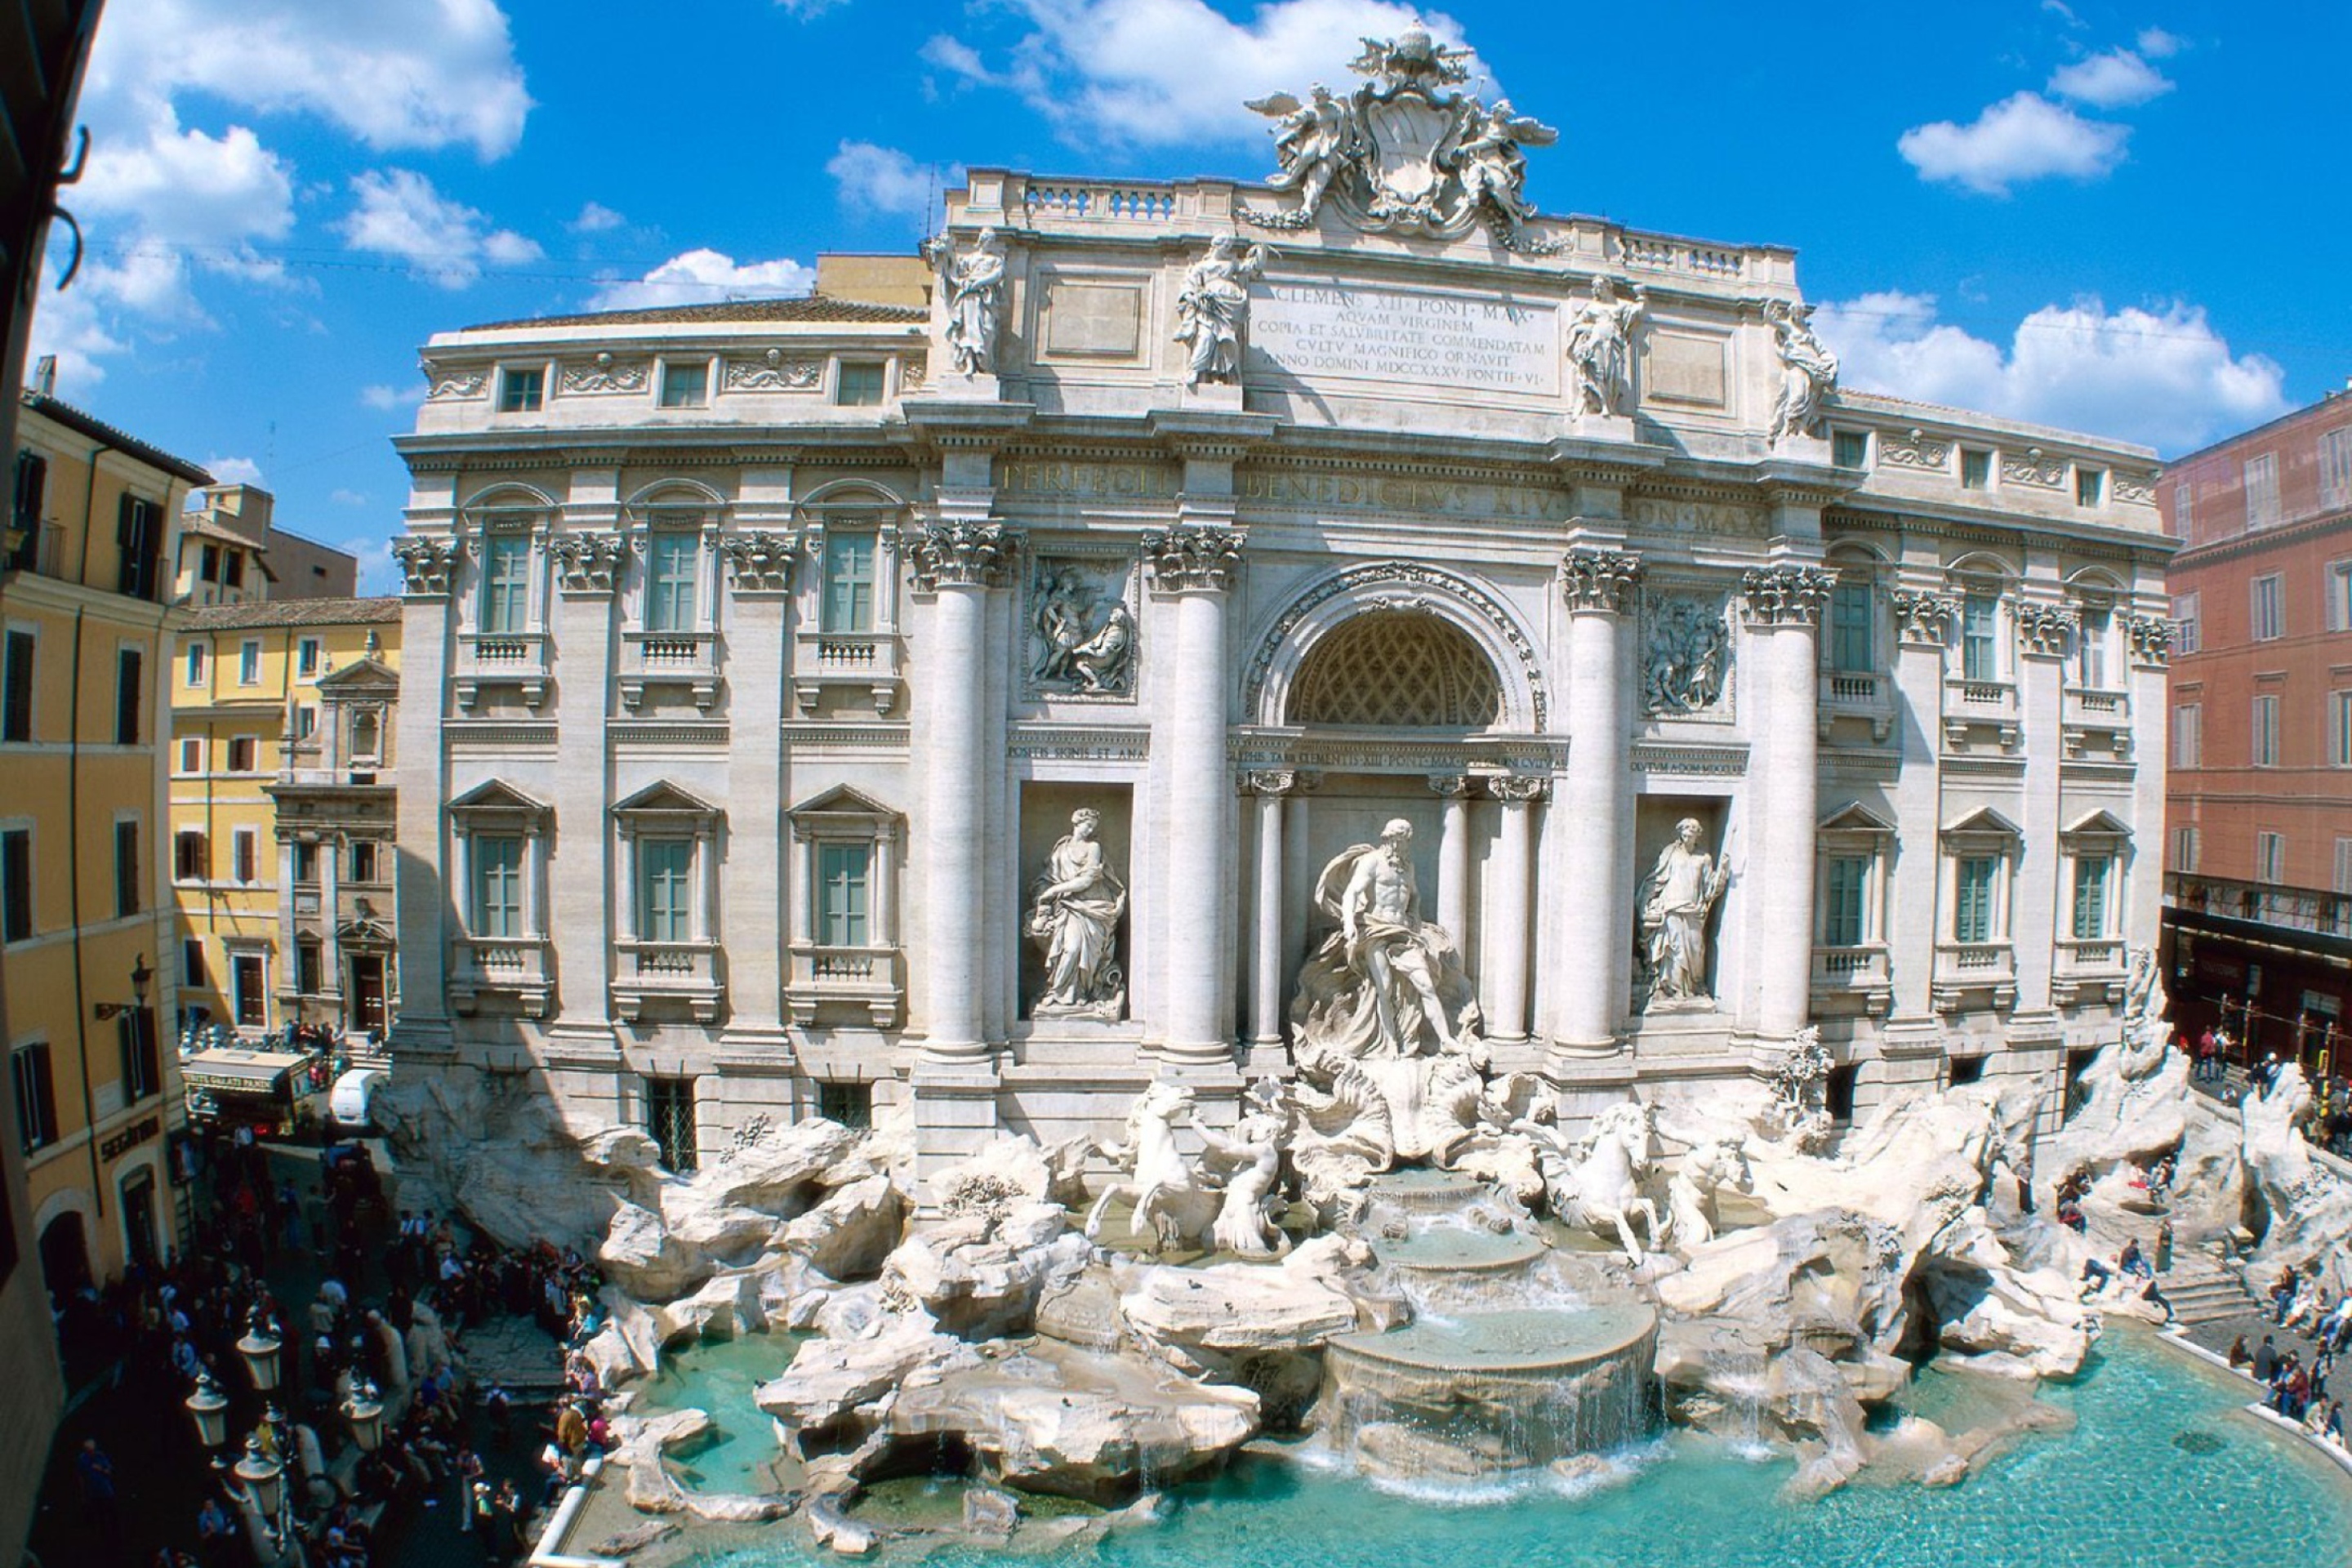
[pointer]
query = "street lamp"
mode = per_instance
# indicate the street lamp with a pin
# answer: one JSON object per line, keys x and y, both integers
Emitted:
{"x": 263, "y": 1475}
{"x": 365, "y": 1411}
{"x": 259, "y": 1348}
{"x": 140, "y": 978}
{"x": 209, "y": 1406}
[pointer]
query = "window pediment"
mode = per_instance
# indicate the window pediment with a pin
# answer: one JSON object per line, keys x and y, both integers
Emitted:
{"x": 1856, "y": 819}
{"x": 664, "y": 799}
{"x": 2098, "y": 825}
{"x": 1983, "y": 823}
{"x": 498, "y": 798}
{"x": 843, "y": 810}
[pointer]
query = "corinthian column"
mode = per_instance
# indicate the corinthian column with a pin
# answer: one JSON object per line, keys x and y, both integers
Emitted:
{"x": 1453, "y": 858}
{"x": 1195, "y": 567}
{"x": 1510, "y": 901}
{"x": 1265, "y": 950}
{"x": 1783, "y": 603}
{"x": 958, "y": 562}
{"x": 1596, "y": 912}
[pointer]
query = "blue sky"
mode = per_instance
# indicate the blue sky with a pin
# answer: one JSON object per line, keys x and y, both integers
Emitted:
{"x": 2127, "y": 219}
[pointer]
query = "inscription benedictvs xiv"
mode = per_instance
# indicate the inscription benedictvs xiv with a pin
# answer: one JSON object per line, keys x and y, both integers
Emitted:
{"x": 1317, "y": 332}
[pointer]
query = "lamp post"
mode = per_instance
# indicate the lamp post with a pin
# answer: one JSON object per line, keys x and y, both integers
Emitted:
{"x": 262, "y": 1475}
{"x": 209, "y": 1406}
{"x": 365, "y": 1411}
{"x": 260, "y": 1347}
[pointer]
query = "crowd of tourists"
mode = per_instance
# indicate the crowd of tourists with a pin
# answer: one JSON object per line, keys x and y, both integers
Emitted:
{"x": 2299, "y": 1306}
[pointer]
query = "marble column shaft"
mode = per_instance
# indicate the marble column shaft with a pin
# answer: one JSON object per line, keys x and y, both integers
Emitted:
{"x": 953, "y": 833}
{"x": 1595, "y": 916}
{"x": 1504, "y": 944}
{"x": 1784, "y": 607}
{"x": 1453, "y": 858}
{"x": 1266, "y": 957}
{"x": 1201, "y": 837}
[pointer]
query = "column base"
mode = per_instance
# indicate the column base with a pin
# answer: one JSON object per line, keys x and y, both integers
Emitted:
{"x": 955, "y": 1112}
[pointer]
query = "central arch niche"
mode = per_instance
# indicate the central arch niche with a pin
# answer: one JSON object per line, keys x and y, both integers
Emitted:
{"x": 1397, "y": 669}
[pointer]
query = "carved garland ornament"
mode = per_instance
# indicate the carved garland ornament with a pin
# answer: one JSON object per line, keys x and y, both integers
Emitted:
{"x": 426, "y": 564}
{"x": 963, "y": 555}
{"x": 1516, "y": 789}
{"x": 1786, "y": 596}
{"x": 1598, "y": 580}
{"x": 588, "y": 563}
{"x": 443, "y": 384}
{"x": 2043, "y": 630}
{"x": 604, "y": 375}
{"x": 1924, "y": 618}
{"x": 2150, "y": 638}
{"x": 772, "y": 372}
{"x": 1357, "y": 578}
{"x": 760, "y": 562}
{"x": 1192, "y": 558}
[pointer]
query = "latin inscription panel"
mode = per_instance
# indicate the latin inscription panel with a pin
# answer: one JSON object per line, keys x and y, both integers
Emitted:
{"x": 1319, "y": 331}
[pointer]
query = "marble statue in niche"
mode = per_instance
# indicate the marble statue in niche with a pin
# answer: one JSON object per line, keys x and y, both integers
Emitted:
{"x": 1075, "y": 908}
{"x": 1686, "y": 654}
{"x": 972, "y": 284}
{"x": 1809, "y": 371}
{"x": 1386, "y": 983}
{"x": 1082, "y": 633}
{"x": 1677, "y": 901}
{"x": 1213, "y": 309}
{"x": 1601, "y": 348}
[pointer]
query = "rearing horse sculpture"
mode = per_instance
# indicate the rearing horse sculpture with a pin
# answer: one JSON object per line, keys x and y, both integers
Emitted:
{"x": 1599, "y": 1188}
{"x": 1173, "y": 1205}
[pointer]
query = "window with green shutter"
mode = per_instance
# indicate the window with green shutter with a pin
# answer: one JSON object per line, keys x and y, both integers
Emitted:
{"x": 666, "y": 889}
{"x": 506, "y": 582}
{"x": 671, "y": 560}
{"x": 1850, "y": 640}
{"x": 848, "y": 581}
{"x": 497, "y": 887}
{"x": 2091, "y": 874}
{"x": 1980, "y": 654}
{"x": 1843, "y": 922}
{"x": 845, "y": 879}
{"x": 1972, "y": 906}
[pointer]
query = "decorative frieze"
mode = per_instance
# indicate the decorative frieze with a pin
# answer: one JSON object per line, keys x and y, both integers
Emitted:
{"x": 1076, "y": 744}
{"x": 1192, "y": 557}
{"x": 773, "y": 371}
{"x": 1685, "y": 654}
{"x": 962, "y": 555}
{"x": 1705, "y": 762}
{"x": 1598, "y": 580}
{"x": 1516, "y": 789}
{"x": 2043, "y": 629}
{"x": 2150, "y": 639}
{"x": 1270, "y": 781}
{"x": 426, "y": 564}
{"x": 1915, "y": 450}
{"x": 1082, "y": 631}
{"x": 588, "y": 563}
{"x": 2034, "y": 467}
{"x": 1786, "y": 596}
{"x": 451, "y": 384}
{"x": 759, "y": 561}
{"x": 1923, "y": 618}
{"x": 2140, "y": 488}
{"x": 604, "y": 376}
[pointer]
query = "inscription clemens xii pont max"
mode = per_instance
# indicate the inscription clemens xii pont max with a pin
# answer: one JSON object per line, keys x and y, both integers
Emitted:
{"x": 1310, "y": 331}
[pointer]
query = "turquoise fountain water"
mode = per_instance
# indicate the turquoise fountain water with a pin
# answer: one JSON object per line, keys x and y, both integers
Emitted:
{"x": 2163, "y": 1471}
{"x": 717, "y": 1378}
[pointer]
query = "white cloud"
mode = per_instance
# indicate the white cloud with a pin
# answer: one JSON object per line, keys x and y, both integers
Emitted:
{"x": 380, "y": 574}
{"x": 2024, "y": 137}
{"x": 700, "y": 277}
{"x": 883, "y": 179}
{"x": 2159, "y": 45}
{"x": 233, "y": 470}
{"x": 595, "y": 217}
{"x": 2117, "y": 79}
{"x": 1169, "y": 72}
{"x": 2164, "y": 377}
{"x": 805, "y": 9}
{"x": 347, "y": 498}
{"x": 388, "y": 398}
{"x": 444, "y": 242}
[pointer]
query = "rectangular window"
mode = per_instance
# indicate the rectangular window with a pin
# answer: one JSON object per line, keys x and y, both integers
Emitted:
{"x": 2091, "y": 874}
{"x": 1980, "y": 653}
{"x": 1850, "y": 448}
{"x": 195, "y": 664}
{"x": 126, "y": 869}
{"x": 2186, "y": 843}
{"x": 848, "y": 581}
{"x": 191, "y": 856}
{"x": 2189, "y": 735}
{"x": 248, "y": 663}
{"x": 684, "y": 385}
{"x": 306, "y": 659}
{"x": 1976, "y": 470}
{"x": 309, "y": 969}
{"x": 2187, "y": 624}
{"x": 306, "y": 862}
{"x": 497, "y": 887}
{"x": 506, "y": 582}
{"x": 857, "y": 385}
{"x": 246, "y": 851}
{"x": 306, "y": 721}
{"x": 2264, "y": 748}
{"x": 193, "y": 973}
{"x": 37, "y": 1097}
{"x": 2270, "y": 857}
{"x": 364, "y": 860}
{"x": 142, "y": 1071}
{"x": 1843, "y": 906}
{"x": 845, "y": 875}
{"x": 666, "y": 889}
{"x": 242, "y": 752}
{"x": 2336, "y": 466}
{"x": 192, "y": 755}
{"x": 2184, "y": 509}
{"x": 16, "y": 687}
{"x": 2344, "y": 865}
{"x": 2337, "y": 584}
{"x": 2089, "y": 486}
{"x": 139, "y": 533}
{"x": 2091, "y": 646}
{"x": 522, "y": 391}
{"x": 672, "y": 561}
{"x": 32, "y": 485}
{"x": 669, "y": 1122}
{"x": 849, "y": 1104}
{"x": 16, "y": 884}
{"x": 2268, "y": 623}
{"x": 2339, "y": 729}
{"x": 1850, "y": 639}
{"x": 2262, "y": 491}
{"x": 233, "y": 569}
{"x": 1972, "y": 898}
{"x": 130, "y": 695}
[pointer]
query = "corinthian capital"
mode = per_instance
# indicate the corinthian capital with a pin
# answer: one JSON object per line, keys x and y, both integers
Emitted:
{"x": 963, "y": 555}
{"x": 1592, "y": 578}
{"x": 426, "y": 564}
{"x": 1786, "y": 596}
{"x": 1192, "y": 557}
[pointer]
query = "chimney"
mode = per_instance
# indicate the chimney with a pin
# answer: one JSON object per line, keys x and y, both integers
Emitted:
{"x": 45, "y": 375}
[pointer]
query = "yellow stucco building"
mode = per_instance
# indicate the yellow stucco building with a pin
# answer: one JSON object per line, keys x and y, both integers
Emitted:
{"x": 85, "y": 915}
{"x": 281, "y": 816}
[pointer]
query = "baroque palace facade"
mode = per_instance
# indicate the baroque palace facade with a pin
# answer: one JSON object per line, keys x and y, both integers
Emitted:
{"x": 986, "y": 684}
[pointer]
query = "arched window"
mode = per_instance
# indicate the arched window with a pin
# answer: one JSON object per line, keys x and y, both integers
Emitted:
{"x": 1396, "y": 668}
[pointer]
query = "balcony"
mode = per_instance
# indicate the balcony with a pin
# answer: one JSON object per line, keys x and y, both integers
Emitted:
{"x": 824, "y": 978}
{"x": 669, "y": 659}
{"x": 2306, "y": 909}
{"x": 1862, "y": 695}
{"x": 1849, "y": 978}
{"x": 515, "y": 969}
{"x": 2089, "y": 972}
{"x": 867, "y": 661}
{"x": 519, "y": 659}
{"x": 2092, "y": 722}
{"x": 1973, "y": 969}
{"x": 656, "y": 973}
{"x": 1974, "y": 707}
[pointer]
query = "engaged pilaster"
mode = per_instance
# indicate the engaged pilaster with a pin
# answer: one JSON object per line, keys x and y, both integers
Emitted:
{"x": 1597, "y": 581}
